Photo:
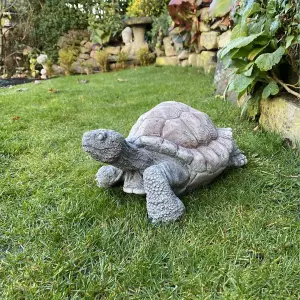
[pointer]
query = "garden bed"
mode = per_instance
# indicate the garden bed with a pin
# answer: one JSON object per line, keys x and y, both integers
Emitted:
{"x": 14, "y": 81}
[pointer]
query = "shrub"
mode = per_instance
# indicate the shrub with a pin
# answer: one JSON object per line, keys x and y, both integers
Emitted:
{"x": 102, "y": 60}
{"x": 144, "y": 56}
{"x": 265, "y": 38}
{"x": 67, "y": 57}
{"x": 122, "y": 58}
{"x": 145, "y": 8}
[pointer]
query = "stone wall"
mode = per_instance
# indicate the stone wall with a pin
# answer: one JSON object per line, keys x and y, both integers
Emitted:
{"x": 214, "y": 35}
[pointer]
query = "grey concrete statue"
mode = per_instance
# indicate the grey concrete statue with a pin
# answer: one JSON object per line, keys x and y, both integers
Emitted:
{"x": 171, "y": 149}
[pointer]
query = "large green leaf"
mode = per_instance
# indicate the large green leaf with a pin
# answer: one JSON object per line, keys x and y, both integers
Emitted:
{"x": 255, "y": 52}
{"x": 239, "y": 43}
{"x": 219, "y": 8}
{"x": 241, "y": 82}
{"x": 238, "y": 31}
{"x": 266, "y": 61}
{"x": 271, "y": 89}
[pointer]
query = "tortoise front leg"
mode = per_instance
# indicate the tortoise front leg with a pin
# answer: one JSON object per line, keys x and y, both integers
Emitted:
{"x": 108, "y": 176}
{"x": 162, "y": 203}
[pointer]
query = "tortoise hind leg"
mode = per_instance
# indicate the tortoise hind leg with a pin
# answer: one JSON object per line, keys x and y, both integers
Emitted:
{"x": 237, "y": 158}
{"x": 162, "y": 203}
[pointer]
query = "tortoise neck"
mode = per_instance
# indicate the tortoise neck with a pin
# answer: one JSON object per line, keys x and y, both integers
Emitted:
{"x": 133, "y": 158}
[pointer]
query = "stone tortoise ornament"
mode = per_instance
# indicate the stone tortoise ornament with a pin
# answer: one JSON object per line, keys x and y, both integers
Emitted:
{"x": 171, "y": 149}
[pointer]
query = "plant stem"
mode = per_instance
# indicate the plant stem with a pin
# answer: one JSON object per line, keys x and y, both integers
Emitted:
{"x": 285, "y": 86}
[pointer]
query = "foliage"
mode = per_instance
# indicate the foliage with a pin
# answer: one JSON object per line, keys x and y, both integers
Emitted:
{"x": 67, "y": 57}
{"x": 144, "y": 56}
{"x": 72, "y": 39}
{"x": 105, "y": 22}
{"x": 219, "y": 8}
{"x": 146, "y": 8}
{"x": 263, "y": 40}
{"x": 122, "y": 58}
{"x": 160, "y": 28}
{"x": 102, "y": 59}
{"x": 49, "y": 68}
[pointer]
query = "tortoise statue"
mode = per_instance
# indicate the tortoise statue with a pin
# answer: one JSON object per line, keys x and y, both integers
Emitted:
{"x": 171, "y": 149}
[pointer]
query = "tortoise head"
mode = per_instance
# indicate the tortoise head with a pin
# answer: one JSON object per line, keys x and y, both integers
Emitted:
{"x": 103, "y": 145}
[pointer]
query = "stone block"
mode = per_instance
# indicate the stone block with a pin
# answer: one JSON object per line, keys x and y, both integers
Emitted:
{"x": 184, "y": 63}
{"x": 209, "y": 40}
{"x": 165, "y": 61}
{"x": 204, "y": 14}
{"x": 184, "y": 54}
{"x": 224, "y": 39}
{"x": 113, "y": 50}
{"x": 193, "y": 59}
{"x": 207, "y": 60}
{"x": 281, "y": 114}
{"x": 84, "y": 56}
{"x": 204, "y": 27}
{"x": 84, "y": 50}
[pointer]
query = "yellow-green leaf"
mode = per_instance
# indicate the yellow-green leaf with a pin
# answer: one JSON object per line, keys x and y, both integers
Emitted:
{"x": 255, "y": 52}
{"x": 271, "y": 89}
{"x": 266, "y": 61}
{"x": 219, "y": 8}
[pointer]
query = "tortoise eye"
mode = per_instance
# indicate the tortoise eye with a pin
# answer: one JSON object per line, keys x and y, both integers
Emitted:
{"x": 101, "y": 136}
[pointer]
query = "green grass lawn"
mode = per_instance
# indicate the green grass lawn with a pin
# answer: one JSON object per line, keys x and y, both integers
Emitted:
{"x": 62, "y": 237}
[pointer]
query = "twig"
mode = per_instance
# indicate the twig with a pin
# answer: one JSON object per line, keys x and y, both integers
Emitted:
{"x": 285, "y": 86}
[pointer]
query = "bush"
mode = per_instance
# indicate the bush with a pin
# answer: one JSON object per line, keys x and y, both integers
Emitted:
{"x": 264, "y": 40}
{"x": 67, "y": 57}
{"x": 144, "y": 56}
{"x": 102, "y": 60}
{"x": 122, "y": 58}
{"x": 146, "y": 8}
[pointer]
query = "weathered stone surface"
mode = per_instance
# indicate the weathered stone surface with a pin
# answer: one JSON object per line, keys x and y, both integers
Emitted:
{"x": 221, "y": 82}
{"x": 193, "y": 59}
{"x": 165, "y": 61}
{"x": 224, "y": 39}
{"x": 159, "y": 52}
{"x": 112, "y": 59}
{"x": 184, "y": 54}
{"x": 194, "y": 153}
{"x": 92, "y": 62}
{"x": 207, "y": 60}
{"x": 209, "y": 40}
{"x": 204, "y": 14}
{"x": 57, "y": 70}
{"x": 169, "y": 49}
{"x": 282, "y": 115}
{"x": 113, "y": 50}
{"x": 84, "y": 50}
{"x": 138, "y": 20}
{"x": 84, "y": 56}
{"x": 216, "y": 24}
{"x": 184, "y": 63}
{"x": 127, "y": 35}
{"x": 204, "y": 27}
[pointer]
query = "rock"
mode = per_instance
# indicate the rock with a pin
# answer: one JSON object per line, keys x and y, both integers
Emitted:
{"x": 77, "y": 67}
{"x": 82, "y": 43}
{"x": 282, "y": 115}
{"x": 204, "y": 27}
{"x": 93, "y": 54}
{"x": 192, "y": 60}
{"x": 169, "y": 49}
{"x": 165, "y": 61}
{"x": 183, "y": 55}
{"x": 216, "y": 24}
{"x": 127, "y": 35}
{"x": 159, "y": 52}
{"x": 184, "y": 63}
{"x": 207, "y": 60}
{"x": 223, "y": 27}
{"x": 84, "y": 56}
{"x": 112, "y": 59}
{"x": 221, "y": 81}
{"x": 84, "y": 50}
{"x": 112, "y": 50}
{"x": 209, "y": 40}
{"x": 88, "y": 45}
{"x": 92, "y": 62}
{"x": 58, "y": 70}
{"x": 178, "y": 46}
{"x": 204, "y": 14}
{"x": 224, "y": 39}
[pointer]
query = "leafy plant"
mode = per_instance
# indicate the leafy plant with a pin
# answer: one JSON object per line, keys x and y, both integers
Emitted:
{"x": 265, "y": 38}
{"x": 102, "y": 60}
{"x": 160, "y": 28}
{"x": 49, "y": 68}
{"x": 122, "y": 58}
{"x": 144, "y": 56}
{"x": 67, "y": 57}
{"x": 105, "y": 22}
{"x": 220, "y": 8}
{"x": 145, "y": 8}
